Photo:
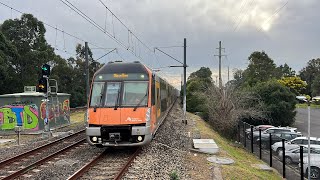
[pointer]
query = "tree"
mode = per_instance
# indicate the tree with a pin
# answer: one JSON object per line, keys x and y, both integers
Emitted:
{"x": 279, "y": 102}
{"x": 286, "y": 71}
{"x": 226, "y": 107}
{"x": 261, "y": 68}
{"x": 28, "y": 36}
{"x": 295, "y": 84}
{"x": 197, "y": 82}
{"x": 310, "y": 72}
{"x": 8, "y": 54}
{"x": 315, "y": 87}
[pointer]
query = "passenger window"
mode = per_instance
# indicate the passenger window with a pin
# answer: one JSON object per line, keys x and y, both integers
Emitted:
{"x": 313, "y": 142}
{"x": 97, "y": 94}
{"x": 304, "y": 141}
{"x": 298, "y": 141}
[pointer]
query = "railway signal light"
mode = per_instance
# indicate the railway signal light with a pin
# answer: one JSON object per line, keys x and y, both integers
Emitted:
{"x": 42, "y": 85}
{"x": 45, "y": 70}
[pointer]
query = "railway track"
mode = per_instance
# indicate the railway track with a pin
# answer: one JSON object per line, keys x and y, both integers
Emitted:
{"x": 110, "y": 164}
{"x": 21, "y": 164}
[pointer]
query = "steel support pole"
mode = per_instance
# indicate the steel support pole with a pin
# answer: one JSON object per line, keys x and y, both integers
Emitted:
{"x": 87, "y": 69}
{"x": 260, "y": 156}
{"x": 184, "y": 82}
{"x": 283, "y": 159}
{"x": 270, "y": 140}
{"x": 308, "y": 139}
{"x": 301, "y": 163}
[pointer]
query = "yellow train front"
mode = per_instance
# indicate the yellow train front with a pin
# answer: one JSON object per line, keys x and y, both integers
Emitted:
{"x": 127, "y": 105}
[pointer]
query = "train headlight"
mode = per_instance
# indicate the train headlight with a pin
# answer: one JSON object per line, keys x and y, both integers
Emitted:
{"x": 140, "y": 138}
{"x": 148, "y": 114}
{"x": 94, "y": 139}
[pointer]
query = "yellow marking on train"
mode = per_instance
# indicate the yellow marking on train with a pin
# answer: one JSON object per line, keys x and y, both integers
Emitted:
{"x": 120, "y": 75}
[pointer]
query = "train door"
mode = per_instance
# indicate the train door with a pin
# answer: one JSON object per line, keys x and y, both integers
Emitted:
{"x": 111, "y": 114}
{"x": 158, "y": 100}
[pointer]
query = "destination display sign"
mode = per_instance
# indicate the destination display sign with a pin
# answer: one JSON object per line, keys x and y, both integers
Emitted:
{"x": 122, "y": 76}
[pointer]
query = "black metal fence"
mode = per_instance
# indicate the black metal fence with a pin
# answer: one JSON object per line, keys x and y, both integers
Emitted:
{"x": 260, "y": 144}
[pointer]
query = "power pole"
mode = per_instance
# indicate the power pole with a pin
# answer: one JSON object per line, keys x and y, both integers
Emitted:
{"x": 220, "y": 55}
{"x": 87, "y": 69}
{"x": 185, "y": 81}
{"x": 228, "y": 73}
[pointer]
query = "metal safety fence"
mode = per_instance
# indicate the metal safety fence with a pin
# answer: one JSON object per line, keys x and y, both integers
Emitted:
{"x": 292, "y": 165}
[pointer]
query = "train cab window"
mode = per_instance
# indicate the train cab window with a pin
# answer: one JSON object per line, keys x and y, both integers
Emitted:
{"x": 135, "y": 93}
{"x": 97, "y": 94}
{"x": 112, "y": 93}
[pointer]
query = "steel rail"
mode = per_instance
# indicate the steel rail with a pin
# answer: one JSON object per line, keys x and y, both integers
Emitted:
{"x": 126, "y": 166}
{"x": 41, "y": 161}
{"x": 86, "y": 167}
{"x": 36, "y": 150}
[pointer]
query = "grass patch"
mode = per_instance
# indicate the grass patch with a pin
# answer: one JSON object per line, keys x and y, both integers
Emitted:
{"x": 242, "y": 168}
{"x": 304, "y": 105}
{"x": 77, "y": 118}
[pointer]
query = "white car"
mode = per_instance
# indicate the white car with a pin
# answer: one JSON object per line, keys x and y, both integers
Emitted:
{"x": 314, "y": 166}
{"x": 293, "y": 155}
{"x": 273, "y": 130}
{"x": 295, "y": 143}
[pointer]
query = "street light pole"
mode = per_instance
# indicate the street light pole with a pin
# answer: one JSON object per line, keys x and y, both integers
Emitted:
{"x": 309, "y": 140}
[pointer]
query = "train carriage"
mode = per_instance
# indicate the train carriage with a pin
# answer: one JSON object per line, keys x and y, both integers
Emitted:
{"x": 127, "y": 104}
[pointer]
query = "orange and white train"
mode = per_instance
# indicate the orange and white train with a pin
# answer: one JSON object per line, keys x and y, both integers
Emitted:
{"x": 127, "y": 104}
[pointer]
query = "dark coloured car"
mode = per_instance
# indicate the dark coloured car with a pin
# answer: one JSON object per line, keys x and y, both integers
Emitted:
{"x": 265, "y": 140}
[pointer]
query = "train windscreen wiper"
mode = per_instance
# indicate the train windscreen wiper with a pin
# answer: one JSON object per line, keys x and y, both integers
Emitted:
{"x": 117, "y": 101}
{"x": 135, "y": 108}
{"x": 95, "y": 107}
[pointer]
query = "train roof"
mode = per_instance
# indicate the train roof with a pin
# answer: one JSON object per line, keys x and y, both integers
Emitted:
{"x": 123, "y": 67}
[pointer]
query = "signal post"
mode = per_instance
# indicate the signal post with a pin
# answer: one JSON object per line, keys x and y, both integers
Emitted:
{"x": 43, "y": 87}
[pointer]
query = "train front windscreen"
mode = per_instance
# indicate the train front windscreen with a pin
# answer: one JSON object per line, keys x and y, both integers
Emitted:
{"x": 120, "y": 94}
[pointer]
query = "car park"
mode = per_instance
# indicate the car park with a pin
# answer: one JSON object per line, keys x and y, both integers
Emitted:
{"x": 293, "y": 155}
{"x": 265, "y": 140}
{"x": 295, "y": 143}
{"x": 274, "y": 130}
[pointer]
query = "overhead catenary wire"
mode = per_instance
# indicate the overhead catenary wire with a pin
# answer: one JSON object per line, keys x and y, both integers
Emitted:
{"x": 113, "y": 15}
{"x": 92, "y": 22}
{"x": 53, "y": 27}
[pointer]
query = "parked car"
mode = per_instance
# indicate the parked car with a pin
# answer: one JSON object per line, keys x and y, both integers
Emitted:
{"x": 265, "y": 140}
{"x": 274, "y": 130}
{"x": 314, "y": 166}
{"x": 295, "y": 143}
{"x": 256, "y": 128}
{"x": 293, "y": 155}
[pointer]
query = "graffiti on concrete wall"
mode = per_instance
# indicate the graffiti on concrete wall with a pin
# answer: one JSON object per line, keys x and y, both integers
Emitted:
{"x": 19, "y": 115}
{"x": 56, "y": 110}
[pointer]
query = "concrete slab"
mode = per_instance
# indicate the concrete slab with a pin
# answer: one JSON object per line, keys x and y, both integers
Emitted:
{"x": 204, "y": 143}
{"x": 220, "y": 160}
{"x": 206, "y": 146}
{"x": 3, "y": 141}
{"x": 262, "y": 167}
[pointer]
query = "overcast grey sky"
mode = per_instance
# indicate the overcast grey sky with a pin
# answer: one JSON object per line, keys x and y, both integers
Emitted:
{"x": 289, "y": 35}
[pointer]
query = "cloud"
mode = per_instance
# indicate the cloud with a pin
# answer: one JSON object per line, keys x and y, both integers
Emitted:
{"x": 289, "y": 36}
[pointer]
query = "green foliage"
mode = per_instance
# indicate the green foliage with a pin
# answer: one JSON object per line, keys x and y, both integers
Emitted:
{"x": 24, "y": 49}
{"x": 286, "y": 71}
{"x": 261, "y": 68}
{"x": 174, "y": 175}
{"x": 8, "y": 53}
{"x": 315, "y": 86}
{"x": 309, "y": 73}
{"x": 279, "y": 102}
{"x": 198, "y": 82}
{"x": 295, "y": 84}
{"x": 27, "y": 35}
